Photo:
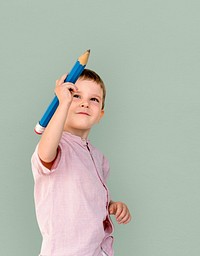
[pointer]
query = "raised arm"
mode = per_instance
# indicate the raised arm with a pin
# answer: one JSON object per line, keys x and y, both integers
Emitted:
{"x": 48, "y": 145}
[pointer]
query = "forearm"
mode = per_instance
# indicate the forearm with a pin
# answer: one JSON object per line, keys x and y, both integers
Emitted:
{"x": 50, "y": 139}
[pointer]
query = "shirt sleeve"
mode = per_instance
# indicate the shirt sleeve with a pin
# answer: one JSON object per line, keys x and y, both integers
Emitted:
{"x": 39, "y": 168}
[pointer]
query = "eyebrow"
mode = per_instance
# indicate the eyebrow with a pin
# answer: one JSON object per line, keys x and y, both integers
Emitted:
{"x": 97, "y": 96}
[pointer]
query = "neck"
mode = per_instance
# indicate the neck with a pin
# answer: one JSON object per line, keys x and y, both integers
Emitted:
{"x": 81, "y": 133}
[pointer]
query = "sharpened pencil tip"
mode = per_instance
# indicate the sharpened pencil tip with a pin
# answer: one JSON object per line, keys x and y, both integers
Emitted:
{"x": 84, "y": 58}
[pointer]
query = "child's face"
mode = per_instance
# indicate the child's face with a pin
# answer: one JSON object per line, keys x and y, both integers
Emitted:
{"x": 85, "y": 109}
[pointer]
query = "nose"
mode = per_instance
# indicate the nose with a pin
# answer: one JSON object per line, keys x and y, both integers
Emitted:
{"x": 84, "y": 104}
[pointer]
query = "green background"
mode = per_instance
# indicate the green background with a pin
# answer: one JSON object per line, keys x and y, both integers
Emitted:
{"x": 148, "y": 54}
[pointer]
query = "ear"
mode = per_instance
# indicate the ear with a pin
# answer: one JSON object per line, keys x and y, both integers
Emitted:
{"x": 101, "y": 114}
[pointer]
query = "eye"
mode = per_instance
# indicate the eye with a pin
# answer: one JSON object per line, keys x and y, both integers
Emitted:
{"x": 76, "y": 96}
{"x": 95, "y": 99}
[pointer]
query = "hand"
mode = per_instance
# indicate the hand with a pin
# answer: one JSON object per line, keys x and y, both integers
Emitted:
{"x": 121, "y": 212}
{"x": 64, "y": 90}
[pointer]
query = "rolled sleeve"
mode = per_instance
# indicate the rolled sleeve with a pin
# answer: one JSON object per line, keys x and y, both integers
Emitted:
{"x": 39, "y": 168}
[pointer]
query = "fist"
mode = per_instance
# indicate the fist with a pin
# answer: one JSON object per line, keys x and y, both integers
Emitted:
{"x": 121, "y": 212}
{"x": 64, "y": 90}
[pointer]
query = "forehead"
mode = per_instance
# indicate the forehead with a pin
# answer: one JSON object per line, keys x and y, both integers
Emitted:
{"x": 89, "y": 86}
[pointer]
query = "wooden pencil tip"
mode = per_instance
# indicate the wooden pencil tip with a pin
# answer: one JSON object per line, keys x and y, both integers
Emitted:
{"x": 84, "y": 58}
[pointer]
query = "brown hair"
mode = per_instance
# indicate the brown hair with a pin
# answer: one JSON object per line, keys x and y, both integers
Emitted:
{"x": 91, "y": 75}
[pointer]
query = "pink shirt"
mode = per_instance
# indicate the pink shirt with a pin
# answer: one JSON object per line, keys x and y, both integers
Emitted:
{"x": 71, "y": 200}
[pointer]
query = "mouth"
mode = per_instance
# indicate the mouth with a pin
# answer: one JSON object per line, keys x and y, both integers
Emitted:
{"x": 83, "y": 113}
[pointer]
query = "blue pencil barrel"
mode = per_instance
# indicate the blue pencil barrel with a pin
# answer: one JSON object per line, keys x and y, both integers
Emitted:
{"x": 75, "y": 73}
{"x": 72, "y": 78}
{"x": 49, "y": 112}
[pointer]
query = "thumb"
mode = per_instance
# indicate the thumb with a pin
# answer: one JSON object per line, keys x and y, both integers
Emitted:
{"x": 112, "y": 209}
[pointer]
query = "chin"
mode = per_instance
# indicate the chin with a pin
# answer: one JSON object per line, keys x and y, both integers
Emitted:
{"x": 81, "y": 126}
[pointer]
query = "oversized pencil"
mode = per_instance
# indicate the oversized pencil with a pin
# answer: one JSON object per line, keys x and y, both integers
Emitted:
{"x": 72, "y": 77}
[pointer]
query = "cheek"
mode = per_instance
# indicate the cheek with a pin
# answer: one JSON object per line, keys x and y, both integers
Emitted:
{"x": 75, "y": 101}
{"x": 74, "y": 104}
{"x": 95, "y": 104}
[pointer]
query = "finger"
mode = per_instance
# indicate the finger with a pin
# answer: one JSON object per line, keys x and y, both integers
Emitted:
{"x": 124, "y": 212}
{"x": 68, "y": 85}
{"x": 125, "y": 219}
{"x": 71, "y": 87}
{"x": 129, "y": 219}
{"x": 119, "y": 210}
{"x": 112, "y": 209}
{"x": 61, "y": 80}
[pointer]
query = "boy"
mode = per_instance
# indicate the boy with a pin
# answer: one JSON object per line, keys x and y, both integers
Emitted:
{"x": 71, "y": 197}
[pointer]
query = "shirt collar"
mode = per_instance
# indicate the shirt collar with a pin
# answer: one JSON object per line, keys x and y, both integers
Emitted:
{"x": 77, "y": 139}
